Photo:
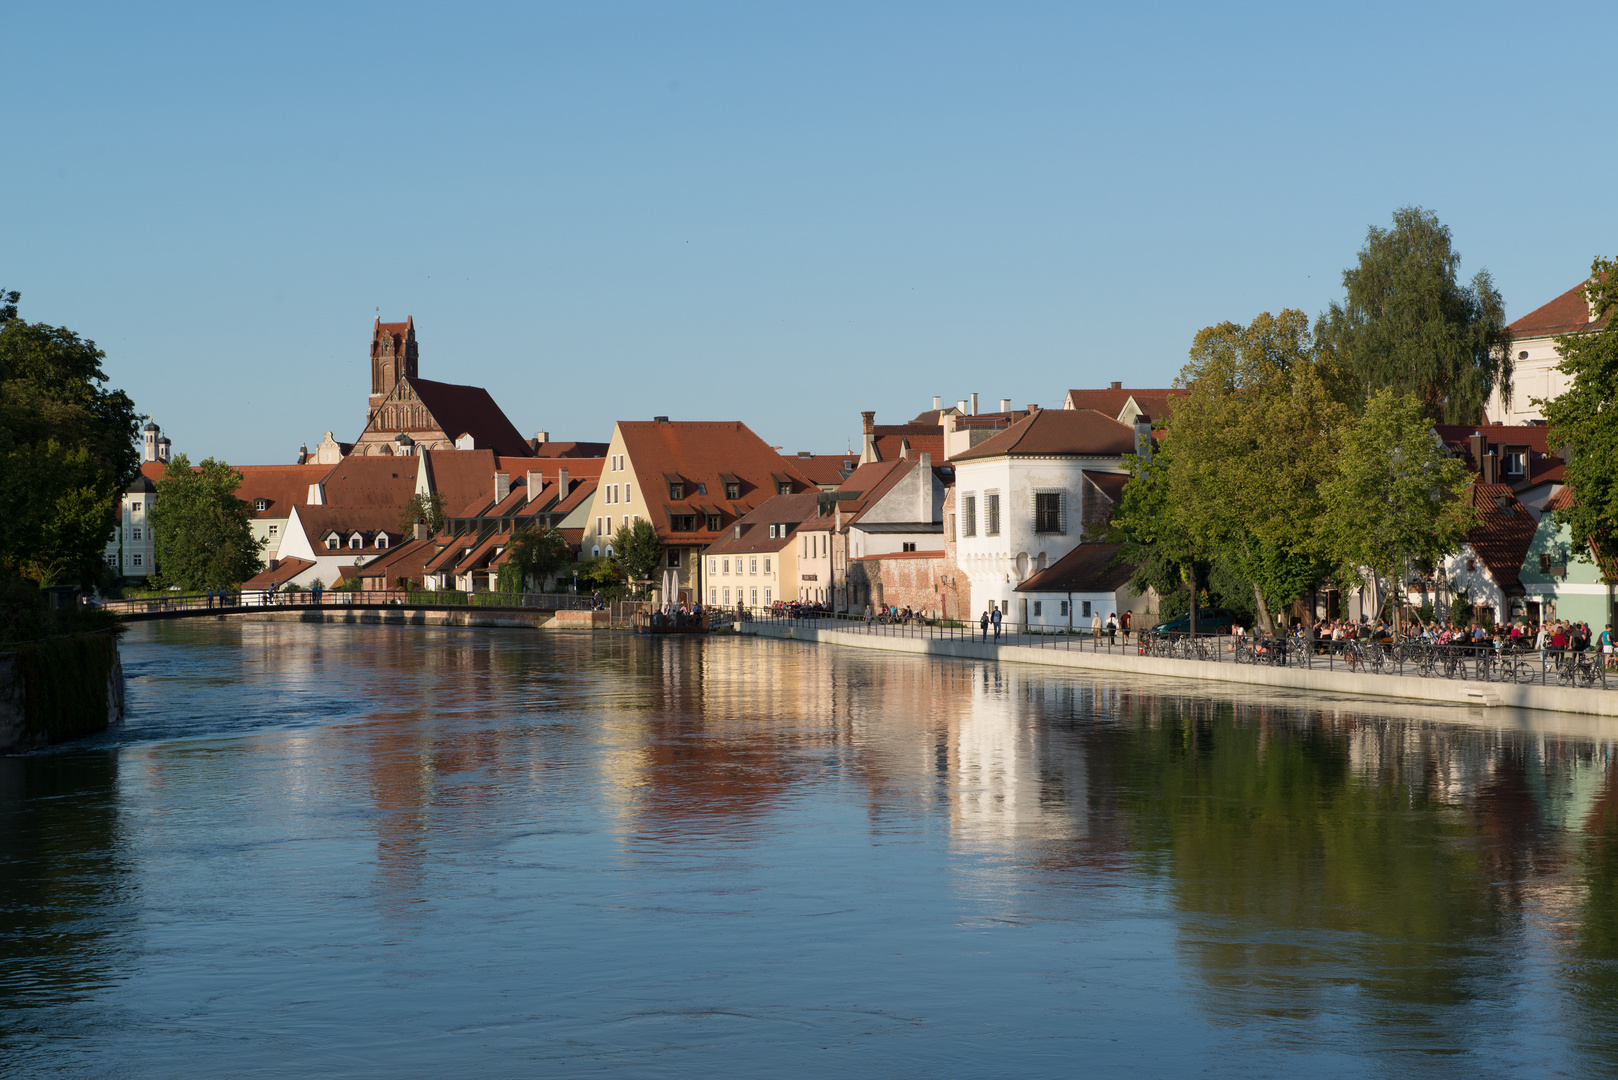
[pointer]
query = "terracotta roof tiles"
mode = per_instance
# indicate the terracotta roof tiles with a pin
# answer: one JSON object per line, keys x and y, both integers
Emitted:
{"x": 1567, "y": 314}
{"x": 1052, "y": 432}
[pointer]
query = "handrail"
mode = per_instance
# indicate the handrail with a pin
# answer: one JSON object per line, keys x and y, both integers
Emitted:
{"x": 262, "y": 599}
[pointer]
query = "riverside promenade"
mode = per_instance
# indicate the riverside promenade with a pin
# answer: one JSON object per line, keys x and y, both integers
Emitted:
{"x": 854, "y": 635}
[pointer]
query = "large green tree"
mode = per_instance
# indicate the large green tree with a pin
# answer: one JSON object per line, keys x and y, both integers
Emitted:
{"x": 1149, "y": 527}
{"x": 1408, "y": 324}
{"x": 1396, "y": 495}
{"x": 535, "y": 553}
{"x": 1584, "y": 419}
{"x": 67, "y": 448}
{"x": 638, "y": 551}
{"x": 203, "y": 532}
{"x": 1251, "y": 444}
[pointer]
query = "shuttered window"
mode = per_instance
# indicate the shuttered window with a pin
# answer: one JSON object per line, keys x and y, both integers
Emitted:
{"x": 1050, "y": 512}
{"x": 969, "y": 515}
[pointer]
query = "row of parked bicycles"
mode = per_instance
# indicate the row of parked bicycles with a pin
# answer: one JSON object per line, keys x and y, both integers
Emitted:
{"x": 1480, "y": 663}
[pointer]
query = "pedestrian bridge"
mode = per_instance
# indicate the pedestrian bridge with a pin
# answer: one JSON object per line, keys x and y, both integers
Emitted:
{"x": 558, "y": 610}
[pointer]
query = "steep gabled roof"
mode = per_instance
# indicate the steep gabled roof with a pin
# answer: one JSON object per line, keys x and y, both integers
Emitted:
{"x": 789, "y": 510}
{"x": 1567, "y": 314}
{"x": 282, "y": 572}
{"x": 703, "y": 452}
{"x": 403, "y": 561}
{"x": 1055, "y": 432}
{"x": 822, "y": 469}
{"x": 318, "y": 521}
{"x": 571, "y": 450}
{"x": 464, "y": 479}
{"x": 1503, "y": 532}
{"x": 281, "y": 486}
{"x": 1086, "y": 569}
{"x": 1111, "y": 402}
{"x": 461, "y": 410}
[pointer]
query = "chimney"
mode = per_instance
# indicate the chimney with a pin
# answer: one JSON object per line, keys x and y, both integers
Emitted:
{"x": 561, "y": 483}
{"x": 317, "y": 495}
{"x": 974, "y": 404}
{"x": 1033, "y": 407}
{"x": 303, "y": 453}
{"x": 806, "y": 453}
{"x": 1143, "y": 434}
{"x": 660, "y": 419}
{"x": 502, "y": 486}
{"x": 961, "y": 406}
{"x": 1491, "y": 468}
{"x": 869, "y": 420}
{"x": 536, "y": 484}
{"x": 935, "y": 402}
{"x": 419, "y": 530}
{"x": 1479, "y": 445}
{"x": 868, "y": 448}
{"x": 1005, "y": 404}
{"x": 1116, "y": 386}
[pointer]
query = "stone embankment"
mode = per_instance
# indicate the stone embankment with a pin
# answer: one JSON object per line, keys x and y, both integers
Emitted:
{"x": 59, "y": 689}
{"x": 1456, "y": 691}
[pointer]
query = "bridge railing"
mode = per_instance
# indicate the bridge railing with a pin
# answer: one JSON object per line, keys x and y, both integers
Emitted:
{"x": 258, "y": 599}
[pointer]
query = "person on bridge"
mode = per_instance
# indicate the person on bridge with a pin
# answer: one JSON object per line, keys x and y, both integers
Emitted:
{"x": 995, "y": 617}
{"x": 984, "y": 623}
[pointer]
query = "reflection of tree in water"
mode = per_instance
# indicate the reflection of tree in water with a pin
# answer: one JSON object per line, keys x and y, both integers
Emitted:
{"x": 1314, "y": 885}
{"x": 1591, "y": 967}
{"x": 61, "y": 876}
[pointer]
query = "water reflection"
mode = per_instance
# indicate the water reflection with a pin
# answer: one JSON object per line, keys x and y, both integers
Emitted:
{"x": 797, "y": 840}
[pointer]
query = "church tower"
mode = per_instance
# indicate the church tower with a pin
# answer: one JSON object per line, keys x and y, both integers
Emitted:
{"x": 393, "y": 356}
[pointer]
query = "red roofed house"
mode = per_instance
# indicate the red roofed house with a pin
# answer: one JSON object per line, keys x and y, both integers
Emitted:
{"x": 1488, "y": 566}
{"x": 1124, "y": 405}
{"x": 408, "y": 411}
{"x": 692, "y": 480}
{"x": 1026, "y": 498}
{"x": 1518, "y": 456}
{"x": 756, "y": 562}
{"x": 1536, "y": 357}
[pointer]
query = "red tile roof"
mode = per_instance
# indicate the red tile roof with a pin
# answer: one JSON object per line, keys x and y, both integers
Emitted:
{"x": 571, "y": 450}
{"x": 281, "y": 486}
{"x": 460, "y": 410}
{"x": 1544, "y": 466}
{"x": 703, "y": 452}
{"x": 317, "y": 521}
{"x": 1503, "y": 532}
{"x": 822, "y": 468}
{"x": 1086, "y": 569}
{"x": 1567, "y": 314}
{"x": 282, "y": 572}
{"x": 789, "y": 510}
{"x": 365, "y": 481}
{"x": 1050, "y": 432}
{"x": 1111, "y": 402}
{"x": 464, "y": 479}
{"x": 404, "y": 561}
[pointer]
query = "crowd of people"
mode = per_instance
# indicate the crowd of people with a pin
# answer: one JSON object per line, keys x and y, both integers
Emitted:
{"x": 1555, "y": 638}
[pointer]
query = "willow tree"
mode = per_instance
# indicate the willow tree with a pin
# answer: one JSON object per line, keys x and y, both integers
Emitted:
{"x": 1252, "y": 444}
{"x": 1409, "y": 325}
{"x": 1584, "y": 419}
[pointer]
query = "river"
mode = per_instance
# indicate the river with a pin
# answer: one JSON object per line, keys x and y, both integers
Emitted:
{"x": 407, "y": 852}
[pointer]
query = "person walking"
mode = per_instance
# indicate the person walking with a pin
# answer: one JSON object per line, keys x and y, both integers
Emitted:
{"x": 867, "y": 618}
{"x": 984, "y": 623}
{"x": 1095, "y": 628}
{"x": 995, "y": 618}
{"x": 1123, "y": 624}
{"x": 1112, "y": 630}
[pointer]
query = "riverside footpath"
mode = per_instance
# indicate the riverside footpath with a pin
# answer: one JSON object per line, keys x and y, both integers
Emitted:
{"x": 1334, "y": 674}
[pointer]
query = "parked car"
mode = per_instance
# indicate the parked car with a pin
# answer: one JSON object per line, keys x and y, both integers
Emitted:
{"x": 1209, "y": 621}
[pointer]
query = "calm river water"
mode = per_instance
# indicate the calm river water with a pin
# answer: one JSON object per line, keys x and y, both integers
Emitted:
{"x": 369, "y": 852}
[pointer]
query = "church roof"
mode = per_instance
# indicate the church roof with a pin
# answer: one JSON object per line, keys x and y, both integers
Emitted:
{"x": 461, "y": 410}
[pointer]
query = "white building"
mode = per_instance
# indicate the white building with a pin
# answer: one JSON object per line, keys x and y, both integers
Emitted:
{"x": 1025, "y": 497}
{"x": 1536, "y": 357}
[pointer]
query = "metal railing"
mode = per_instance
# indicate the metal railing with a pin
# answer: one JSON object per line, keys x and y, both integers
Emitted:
{"x": 257, "y": 600}
{"x": 1470, "y": 662}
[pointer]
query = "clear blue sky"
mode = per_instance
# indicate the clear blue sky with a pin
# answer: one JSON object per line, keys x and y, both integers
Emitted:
{"x": 778, "y": 213}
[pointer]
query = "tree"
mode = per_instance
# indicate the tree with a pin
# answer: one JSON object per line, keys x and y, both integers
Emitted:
{"x": 203, "y": 532}
{"x": 1251, "y": 444}
{"x": 1152, "y": 537}
{"x": 428, "y": 508}
{"x": 67, "y": 448}
{"x": 637, "y": 551}
{"x": 534, "y": 554}
{"x": 1584, "y": 420}
{"x": 1396, "y": 494}
{"x": 1407, "y": 324}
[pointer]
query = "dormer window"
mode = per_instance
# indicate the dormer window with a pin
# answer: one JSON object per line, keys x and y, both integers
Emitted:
{"x": 772, "y": 532}
{"x": 733, "y": 490}
{"x": 261, "y": 505}
{"x": 702, "y": 489}
{"x": 381, "y": 540}
{"x": 783, "y": 487}
{"x": 355, "y": 542}
{"x": 1514, "y": 461}
{"x": 676, "y": 491}
{"x": 332, "y": 542}
{"x": 714, "y": 523}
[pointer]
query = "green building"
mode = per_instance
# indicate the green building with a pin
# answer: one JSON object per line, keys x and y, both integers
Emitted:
{"x": 1557, "y": 583}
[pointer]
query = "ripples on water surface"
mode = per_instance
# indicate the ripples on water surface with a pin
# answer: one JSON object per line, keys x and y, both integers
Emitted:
{"x": 383, "y": 852}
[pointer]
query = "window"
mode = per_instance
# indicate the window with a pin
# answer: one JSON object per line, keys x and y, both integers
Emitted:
{"x": 1063, "y": 611}
{"x": 674, "y": 556}
{"x": 1471, "y": 565}
{"x": 991, "y": 513}
{"x": 783, "y": 487}
{"x": 702, "y": 489}
{"x": 355, "y": 543}
{"x": 909, "y": 545}
{"x": 713, "y": 566}
{"x": 727, "y": 597}
{"x": 766, "y": 568}
{"x": 134, "y": 534}
{"x": 752, "y": 566}
{"x": 969, "y": 515}
{"x": 381, "y": 540}
{"x": 1037, "y": 604}
{"x": 752, "y": 597}
{"x": 134, "y": 508}
{"x": 112, "y": 560}
{"x": 135, "y": 560}
{"x": 733, "y": 490}
{"x": 331, "y": 543}
{"x": 627, "y": 522}
{"x": 1050, "y": 512}
{"x": 766, "y": 598}
{"x": 772, "y": 532}
{"x": 683, "y": 522}
{"x": 676, "y": 491}
{"x": 274, "y": 530}
{"x": 1087, "y": 609}
{"x": 629, "y": 496}
{"x": 1514, "y": 461}
{"x": 715, "y": 523}
{"x": 261, "y": 505}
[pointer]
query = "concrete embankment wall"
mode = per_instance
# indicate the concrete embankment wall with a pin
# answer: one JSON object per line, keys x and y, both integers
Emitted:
{"x": 59, "y": 689}
{"x": 1464, "y": 692}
